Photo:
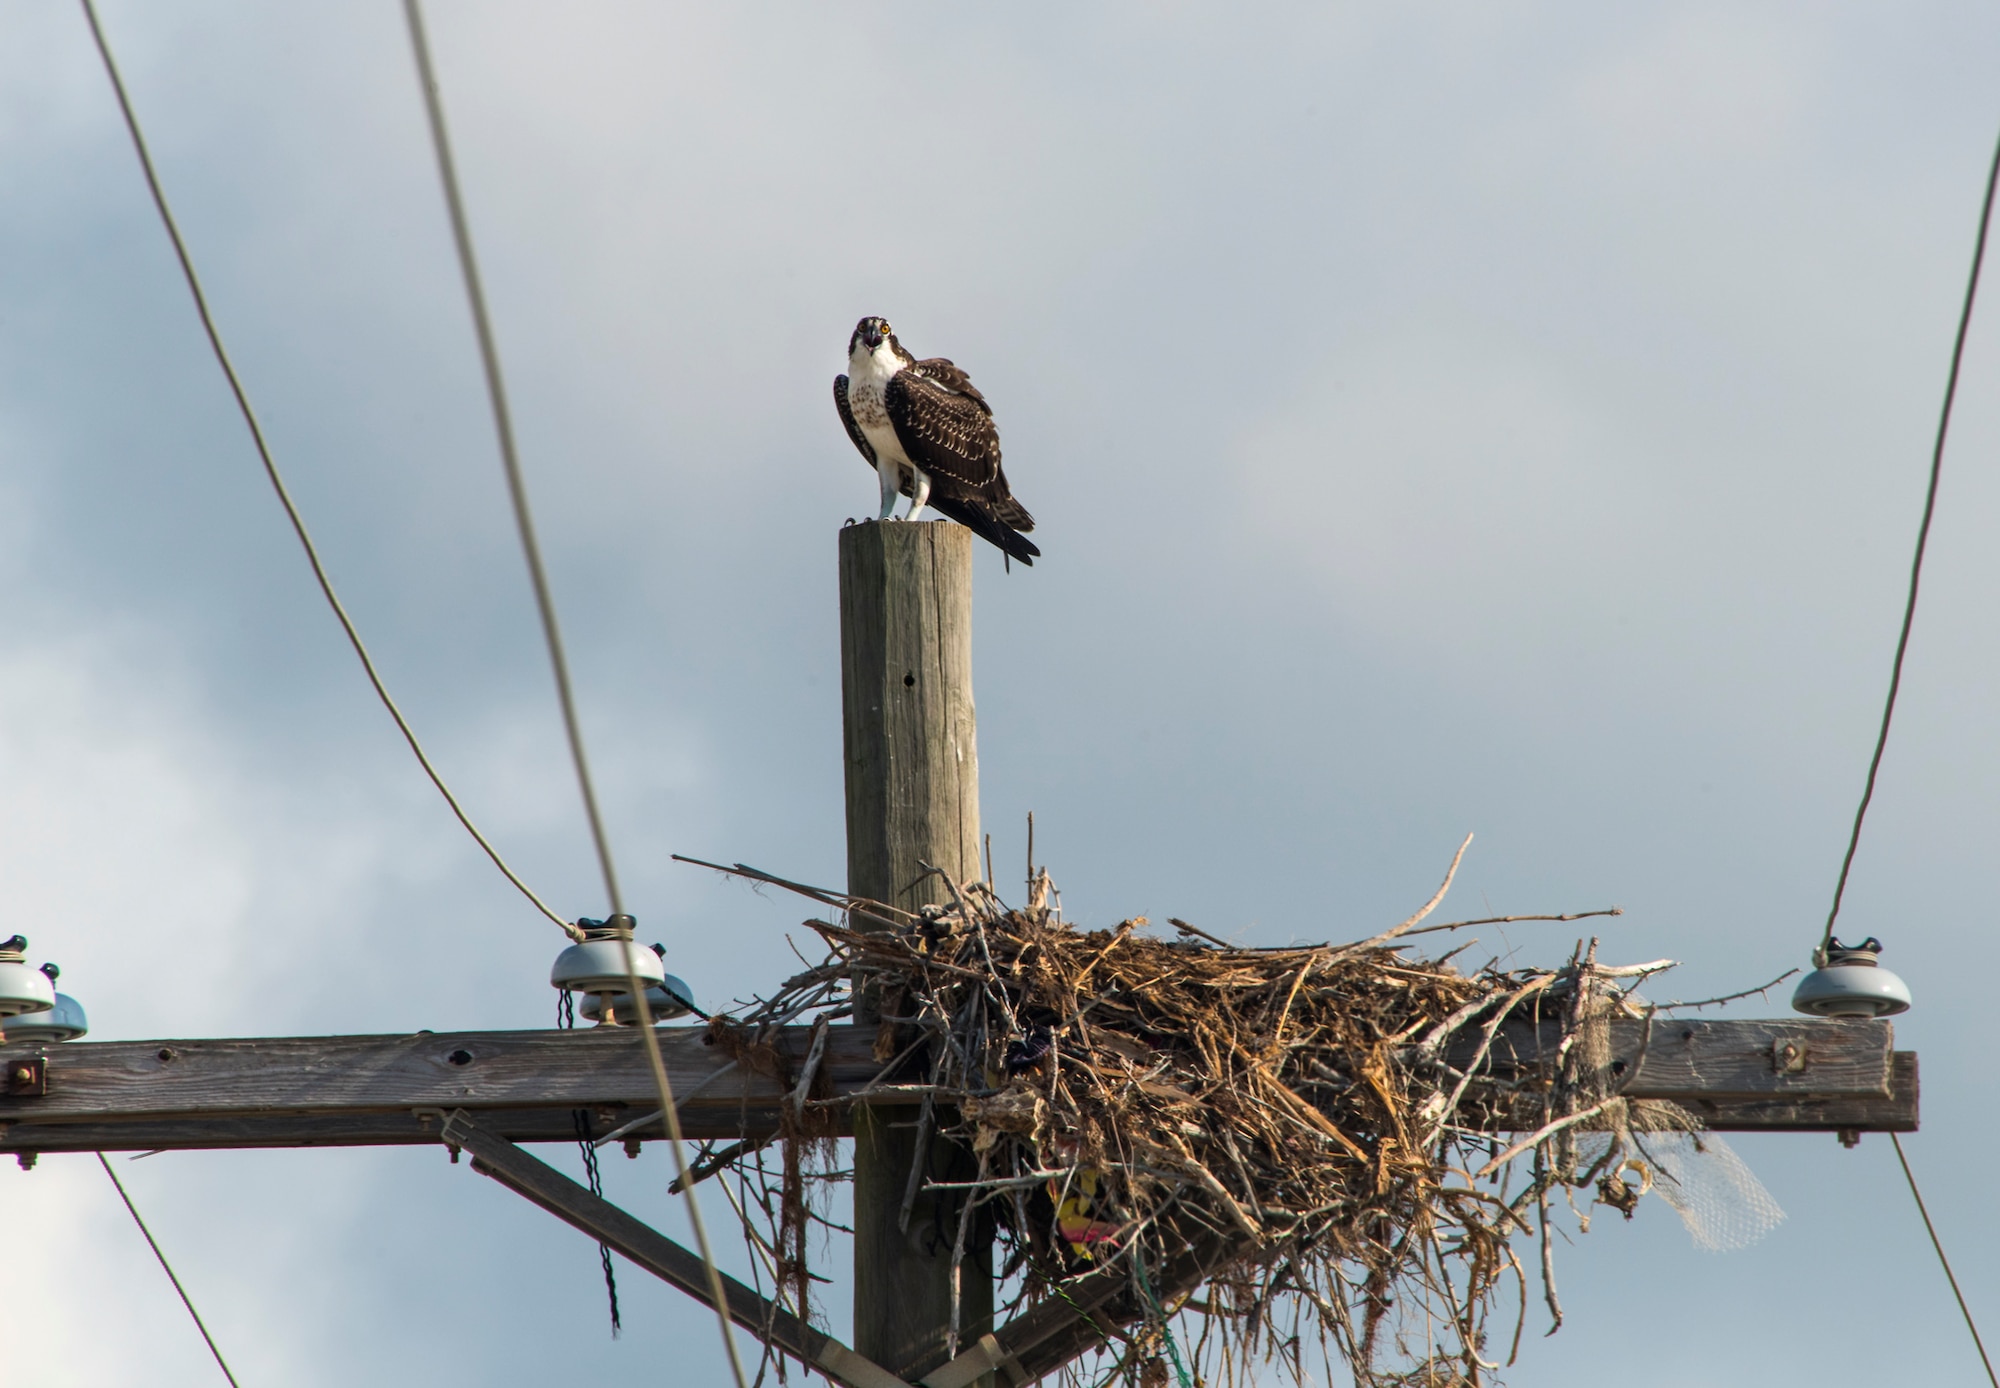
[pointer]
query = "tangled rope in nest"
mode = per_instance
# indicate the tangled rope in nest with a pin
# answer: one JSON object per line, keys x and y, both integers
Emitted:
{"x": 1322, "y": 1152}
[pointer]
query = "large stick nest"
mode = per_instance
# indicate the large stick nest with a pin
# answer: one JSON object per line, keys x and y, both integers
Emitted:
{"x": 1300, "y": 1154}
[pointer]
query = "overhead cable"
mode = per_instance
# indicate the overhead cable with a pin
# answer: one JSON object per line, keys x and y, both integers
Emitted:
{"x": 278, "y": 482}
{"x": 168, "y": 1268}
{"x": 1923, "y": 539}
{"x": 524, "y": 522}
{"x": 1896, "y": 684}
{"x": 510, "y": 458}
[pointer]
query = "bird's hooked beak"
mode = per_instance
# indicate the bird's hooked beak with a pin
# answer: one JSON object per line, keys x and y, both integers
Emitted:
{"x": 871, "y": 336}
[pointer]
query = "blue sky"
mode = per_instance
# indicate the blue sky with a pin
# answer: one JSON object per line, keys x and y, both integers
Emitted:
{"x": 1443, "y": 418}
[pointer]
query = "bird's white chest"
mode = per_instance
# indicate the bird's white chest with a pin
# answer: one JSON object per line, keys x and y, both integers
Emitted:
{"x": 865, "y": 399}
{"x": 865, "y": 386}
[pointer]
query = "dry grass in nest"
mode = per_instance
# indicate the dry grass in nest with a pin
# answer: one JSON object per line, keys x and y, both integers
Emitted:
{"x": 1300, "y": 1155}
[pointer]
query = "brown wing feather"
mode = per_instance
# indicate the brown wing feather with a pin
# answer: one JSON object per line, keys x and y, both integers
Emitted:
{"x": 947, "y": 433}
{"x": 952, "y": 437}
{"x": 999, "y": 501}
{"x": 946, "y": 373}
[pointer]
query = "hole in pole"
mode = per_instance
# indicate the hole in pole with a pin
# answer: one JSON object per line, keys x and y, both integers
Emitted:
{"x": 909, "y": 680}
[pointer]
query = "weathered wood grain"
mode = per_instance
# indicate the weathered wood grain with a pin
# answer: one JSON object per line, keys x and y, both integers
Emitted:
{"x": 379, "y": 1128}
{"x": 362, "y": 1090}
{"x": 1864, "y": 1113}
{"x": 911, "y": 754}
{"x": 909, "y": 729}
{"x": 475, "y": 1070}
{"x": 356, "y": 1128}
{"x": 1721, "y": 1058}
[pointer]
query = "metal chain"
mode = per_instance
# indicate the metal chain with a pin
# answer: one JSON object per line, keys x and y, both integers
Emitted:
{"x": 580, "y": 1119}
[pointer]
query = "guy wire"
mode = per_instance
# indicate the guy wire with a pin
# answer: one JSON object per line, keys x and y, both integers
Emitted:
{"x": 1923, "y": 539}
{"x": 277, "y": 479}
{"x": 1943, "y": 1261}
{"x": 503, "y": 425}
{"x": 168, "y": 1268}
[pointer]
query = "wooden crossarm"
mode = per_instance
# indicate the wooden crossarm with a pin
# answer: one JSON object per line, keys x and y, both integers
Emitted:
{"x": 374, "y": 1090}
{"x": 1737, "y": 1076}
{"x": 1752, "y": 1057}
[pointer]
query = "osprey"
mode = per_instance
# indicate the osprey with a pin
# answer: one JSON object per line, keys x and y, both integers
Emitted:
{"x": 928, "y": 433}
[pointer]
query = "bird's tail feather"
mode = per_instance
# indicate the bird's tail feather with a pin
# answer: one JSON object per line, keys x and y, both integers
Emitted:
{"x": 988, "y": 527}
{"x": 1013, "y": 514}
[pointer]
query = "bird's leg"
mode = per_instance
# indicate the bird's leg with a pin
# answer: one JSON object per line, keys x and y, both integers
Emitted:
{"x": 920, "y": 492}
{"x": 886, "y": 471}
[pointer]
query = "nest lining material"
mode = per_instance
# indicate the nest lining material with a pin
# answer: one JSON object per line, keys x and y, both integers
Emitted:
{"x": 1297, "y": 1154}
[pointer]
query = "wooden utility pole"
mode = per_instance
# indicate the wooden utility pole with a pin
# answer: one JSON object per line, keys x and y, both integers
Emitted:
{"x": 912, "y": 771}
{"x": 908, "y": 729}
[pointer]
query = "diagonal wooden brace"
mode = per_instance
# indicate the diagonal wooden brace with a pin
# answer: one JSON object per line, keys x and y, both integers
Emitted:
{"x": 1089, "y": 1311}
{"x": 1030, "y": 1346}
{"x": 574, "y": 1204}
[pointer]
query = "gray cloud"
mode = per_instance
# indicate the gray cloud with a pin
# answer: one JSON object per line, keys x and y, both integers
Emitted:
{"x": 1498, "y": 419}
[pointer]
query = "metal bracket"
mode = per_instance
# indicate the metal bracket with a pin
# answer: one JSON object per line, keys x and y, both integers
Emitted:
{"x": 27, "y": 1077}
{"x": 1788, "y": 1056}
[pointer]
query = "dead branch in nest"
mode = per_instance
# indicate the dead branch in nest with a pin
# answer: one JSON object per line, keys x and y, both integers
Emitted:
{"x": 1320, "y": 1132}
{"x": 1730, "y": 997}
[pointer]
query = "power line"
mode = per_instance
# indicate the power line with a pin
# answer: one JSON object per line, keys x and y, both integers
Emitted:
{"x": 1943, "y": 1261}
{"x": 1896, "y": 684}
{"x": 1923, "y": 539}
{"x": 277, "y": 480}
{"x": 524, "y": 521}
{"x": 154, "y": 1244}
{"x": 503, "y": 425}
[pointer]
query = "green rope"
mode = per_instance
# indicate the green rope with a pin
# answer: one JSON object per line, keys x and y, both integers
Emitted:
{"x": 1166, "y": 1331}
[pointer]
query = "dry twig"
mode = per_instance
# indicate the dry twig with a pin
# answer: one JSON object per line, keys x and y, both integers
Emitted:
{"x": 1308, "y": 1131}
